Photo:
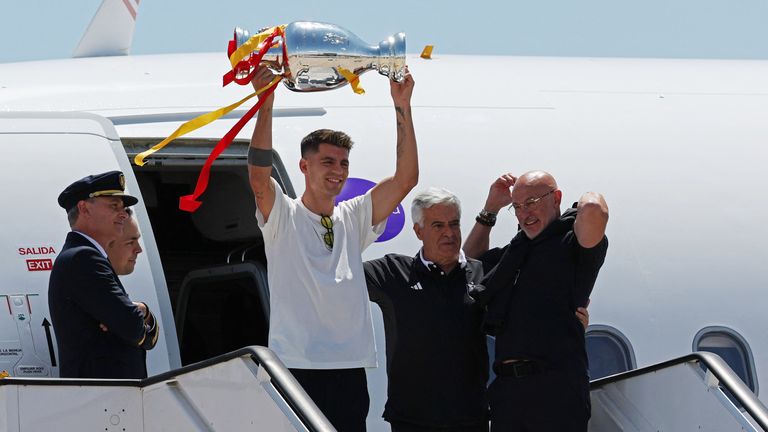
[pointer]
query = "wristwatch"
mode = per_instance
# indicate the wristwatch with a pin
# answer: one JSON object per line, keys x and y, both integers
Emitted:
{"x": 486, "y": 218}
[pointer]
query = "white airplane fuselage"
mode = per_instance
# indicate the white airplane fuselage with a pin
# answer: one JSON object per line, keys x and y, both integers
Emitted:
{"x": 677, "y": 147}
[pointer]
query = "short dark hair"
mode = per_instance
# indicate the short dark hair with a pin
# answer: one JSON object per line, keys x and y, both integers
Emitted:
{"x": 311, "y": 143}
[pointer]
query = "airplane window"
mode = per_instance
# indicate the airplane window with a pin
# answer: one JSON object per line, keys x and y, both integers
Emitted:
{"x": 609, "y": 351}
{"x": 732, "y": 347}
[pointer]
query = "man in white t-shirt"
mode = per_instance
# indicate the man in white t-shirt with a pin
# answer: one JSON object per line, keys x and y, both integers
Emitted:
{"x": 320, "y": 319}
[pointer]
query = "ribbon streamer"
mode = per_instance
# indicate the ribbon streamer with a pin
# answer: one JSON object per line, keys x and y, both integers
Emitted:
{"x": 254, "y": 43}
{"x": 263, "y": 41}
{"x": 245, "y": 61}
{"x": 353, "y": 79}
{"x": 195, "y": 123}
{"x": 190, "y": 203}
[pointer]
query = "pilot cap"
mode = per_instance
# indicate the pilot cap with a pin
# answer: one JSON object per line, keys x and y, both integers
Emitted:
{"x": 110, "y": 183}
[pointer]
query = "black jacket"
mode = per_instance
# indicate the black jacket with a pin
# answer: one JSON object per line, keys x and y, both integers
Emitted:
{"x": 83, "y": 292}
{"x": 533, "y": 292}
{"x": 437, "y": 359}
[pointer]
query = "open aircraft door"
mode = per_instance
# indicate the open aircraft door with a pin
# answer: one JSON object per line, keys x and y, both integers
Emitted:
{"x": 42, "y": 154}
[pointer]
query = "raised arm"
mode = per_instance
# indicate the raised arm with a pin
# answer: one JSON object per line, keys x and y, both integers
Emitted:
{"x": 388, "y": 193}
{"x": 591, "y": 219}
{"x": 260, "y": 151}
{"x": 499, "y": 196}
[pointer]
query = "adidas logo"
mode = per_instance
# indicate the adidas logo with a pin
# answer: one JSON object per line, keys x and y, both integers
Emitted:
{"x": 417, "y": 287}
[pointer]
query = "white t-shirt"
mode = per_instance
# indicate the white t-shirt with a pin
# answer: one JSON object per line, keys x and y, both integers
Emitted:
{"x": 320, "y": 316}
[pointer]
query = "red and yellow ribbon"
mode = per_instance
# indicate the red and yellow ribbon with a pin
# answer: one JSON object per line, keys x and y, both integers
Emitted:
{"x": 264, "y": 42}
{"x": 200, "y": 121}
{"x": 254, "y": 43}
{"x": 190, "y": 203}
{"x": 244, "y": 61}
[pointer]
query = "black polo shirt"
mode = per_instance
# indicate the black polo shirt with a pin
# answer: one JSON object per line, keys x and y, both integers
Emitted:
{"x": 437, "y": 359}
{"x": 543, "y": 285}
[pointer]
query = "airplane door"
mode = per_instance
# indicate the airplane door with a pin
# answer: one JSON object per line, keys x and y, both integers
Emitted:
{"x": 42, "y": 153}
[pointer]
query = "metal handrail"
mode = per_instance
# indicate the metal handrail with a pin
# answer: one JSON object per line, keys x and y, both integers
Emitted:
{"x": 718, "y": 367}
{"x": 285, "y": 384}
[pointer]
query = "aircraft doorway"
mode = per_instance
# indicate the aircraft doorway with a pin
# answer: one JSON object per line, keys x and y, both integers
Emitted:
{"x": 213, "y": 259}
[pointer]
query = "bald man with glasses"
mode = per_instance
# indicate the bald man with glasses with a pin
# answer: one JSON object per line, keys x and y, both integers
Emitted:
{"x": 533, "y": 287}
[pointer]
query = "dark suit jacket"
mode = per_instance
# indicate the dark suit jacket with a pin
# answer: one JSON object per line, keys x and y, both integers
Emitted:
{"x": 83, "y": 292}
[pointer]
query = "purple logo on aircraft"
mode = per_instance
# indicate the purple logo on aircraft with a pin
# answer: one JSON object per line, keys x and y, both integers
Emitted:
{"x": 356, "y": 187}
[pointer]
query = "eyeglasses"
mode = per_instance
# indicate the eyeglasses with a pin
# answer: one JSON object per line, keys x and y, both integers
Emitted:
{"x": 327, "y": 223}
{"x": 530, "y": 203}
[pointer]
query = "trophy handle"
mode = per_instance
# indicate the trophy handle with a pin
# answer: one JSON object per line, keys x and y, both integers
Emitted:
{"x": 273, "y": 59}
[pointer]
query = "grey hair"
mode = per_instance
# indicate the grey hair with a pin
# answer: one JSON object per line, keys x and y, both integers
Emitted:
{"x": 72, "y": 216}
{"x": 430, "y": 197}
{"x": 74, "y": 213}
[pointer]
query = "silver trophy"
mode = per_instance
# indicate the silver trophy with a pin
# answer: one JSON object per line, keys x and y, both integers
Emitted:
{"x": 315, "y": 53}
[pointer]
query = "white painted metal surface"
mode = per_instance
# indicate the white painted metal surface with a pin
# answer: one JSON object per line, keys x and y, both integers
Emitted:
{"x": 233, "y": 395}
{"x": 679, "y": 397}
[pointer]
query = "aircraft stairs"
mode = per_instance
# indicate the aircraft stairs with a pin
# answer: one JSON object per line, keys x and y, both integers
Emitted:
{"x": 697, "y": 392}
{"x": 247, "y": 389}
{"x": 250, "y": 389}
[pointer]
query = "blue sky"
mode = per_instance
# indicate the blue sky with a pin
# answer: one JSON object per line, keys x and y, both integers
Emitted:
{"x": 40, "y": 29}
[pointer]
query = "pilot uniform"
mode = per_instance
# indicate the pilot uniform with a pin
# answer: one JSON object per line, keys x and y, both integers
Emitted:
{"x": 84, "y": 292}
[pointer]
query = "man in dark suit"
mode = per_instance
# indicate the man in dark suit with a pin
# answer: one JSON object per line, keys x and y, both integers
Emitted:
{"x": 100, "y": 332}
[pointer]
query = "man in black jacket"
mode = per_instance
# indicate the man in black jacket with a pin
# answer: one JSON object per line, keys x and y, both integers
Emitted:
{"x": 437, "y": 360}
{"x": 85, "y": 296}
{"x": 537, "y": 282}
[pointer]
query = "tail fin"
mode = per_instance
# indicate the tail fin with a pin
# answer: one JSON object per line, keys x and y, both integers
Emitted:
{"x": 110, "y": 32}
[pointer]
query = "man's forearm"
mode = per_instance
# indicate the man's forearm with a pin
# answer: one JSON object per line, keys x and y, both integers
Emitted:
{"x": 262, "y": 132}
{"x": 478, "y": 241}
{"x": 407, "y": 168}
{"x": 388, "y": 193}
{"x": 260, "y": 158}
